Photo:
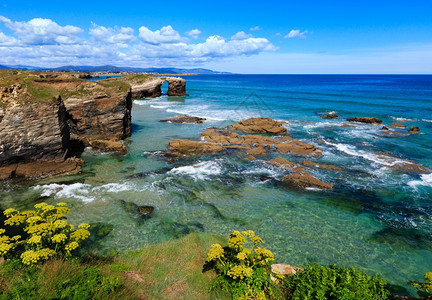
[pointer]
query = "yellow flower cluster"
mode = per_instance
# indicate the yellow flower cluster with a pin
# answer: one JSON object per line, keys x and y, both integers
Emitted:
{"x": 47, "y": 229}
{"x": 256, "y": 240}
{"x": 31, "y": 257}
{"x": 264, "y": 255}
{"x": 242, "y": 256}
{"x": 236, "y": 239}
{"x": 71, "y": 246}
{"x": 248, "y": 233}
{"x": 240, "y": 272}
{"x": 216, "y": 251}
{"x": 80, "y": 234}
{"x": 59, "y": 238}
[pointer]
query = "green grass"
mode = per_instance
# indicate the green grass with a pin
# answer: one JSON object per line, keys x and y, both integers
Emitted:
{"x": 170, "y": 270}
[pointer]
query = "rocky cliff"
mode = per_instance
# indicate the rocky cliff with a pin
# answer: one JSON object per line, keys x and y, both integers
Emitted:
{"x": 43, "y": 114}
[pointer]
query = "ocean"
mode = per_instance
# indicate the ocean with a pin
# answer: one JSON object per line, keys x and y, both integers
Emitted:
{"x": 376, "y": 218}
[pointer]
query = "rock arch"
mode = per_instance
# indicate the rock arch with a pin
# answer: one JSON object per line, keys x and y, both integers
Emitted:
{"x": 152, "y": 88}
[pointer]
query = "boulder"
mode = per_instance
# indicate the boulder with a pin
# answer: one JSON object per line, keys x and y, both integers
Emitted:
{"x": 303, "y": 181}
{"x": 414, "y": 129}
{"x": 259, "y": 125}
{"x": 329, "y": 116}
{"x": 367, "y": 120}
{"x": 384, "y": 128}
{"x": 397, "y": 125}
{"x": 309, "y": 163}
{"x": 286, "y": 164}
{"x": 109, "y": 145}
{"x": 299, "y": 148}
{"x": 185, "y": 119}
{"x": 192, "y": 147}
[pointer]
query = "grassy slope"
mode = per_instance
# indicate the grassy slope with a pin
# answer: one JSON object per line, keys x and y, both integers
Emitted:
{"x": 170, "y": 270}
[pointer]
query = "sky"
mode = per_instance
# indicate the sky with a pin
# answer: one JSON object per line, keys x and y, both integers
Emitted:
{"x": 257, "y": 37}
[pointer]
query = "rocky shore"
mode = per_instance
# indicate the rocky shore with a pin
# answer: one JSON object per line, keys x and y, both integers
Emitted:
{"x": 47, "y": 119}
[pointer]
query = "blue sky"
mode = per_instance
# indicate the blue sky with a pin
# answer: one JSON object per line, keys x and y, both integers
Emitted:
{"x": 243, "y": 36}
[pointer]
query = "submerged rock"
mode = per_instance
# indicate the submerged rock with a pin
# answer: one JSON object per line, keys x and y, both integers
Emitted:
{"x": 309, "y": 163}
{"x": 286, "y": 164}
{"x": 185, "y": 119}
{"x": 367, "y": 120}
{"x": 140, "y": 212}
{"x": 303, "y": 181}
{"x": 260, "y": 125}
{"x": 402, "y": 165}
{"x": 109, "y": 145}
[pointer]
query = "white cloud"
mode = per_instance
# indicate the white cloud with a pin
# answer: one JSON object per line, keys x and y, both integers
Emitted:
{"x": 194, "y": 33}
{"x": 165, "y": 35}
{"x": 255, "y": 28}
{"x": 7, "y": 40}
{"x": 116, "y": 35}
{"x": 48, "y": 44}
{"x": 40, "y": 31}
{"x": 296, "y": 33}
{"x": 241, "y": 35}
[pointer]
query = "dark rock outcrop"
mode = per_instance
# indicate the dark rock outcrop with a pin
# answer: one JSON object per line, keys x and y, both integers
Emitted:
{"x": 367, "y": 120}
{"x": 185, "y": 119}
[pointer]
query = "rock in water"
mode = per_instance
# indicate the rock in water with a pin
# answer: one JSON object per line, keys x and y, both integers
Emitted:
{"x": 367, "y": 120}
{"x": 176, "y": 86}
{"x": 303, "y": 181}
{"x": 259, "y": 125}
{"x": 329, "y": 116}
{"x": 185, "y": 119}
{"x": 299, "y": 148}
{"x": 397, "y": 125}
{"x": 414, "y": 129}
{"x": 192, "y": 147}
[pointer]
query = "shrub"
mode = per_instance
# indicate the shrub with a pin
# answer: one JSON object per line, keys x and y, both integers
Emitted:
{"x": 47, "y": 232}
{"x": 333, "y": 282}
{"x": 243, "y": 272}
{"x": 424, "y": 289}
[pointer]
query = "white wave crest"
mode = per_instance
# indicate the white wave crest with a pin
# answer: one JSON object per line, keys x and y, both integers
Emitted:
{"x": 199, "y": 171}
{"x": 426, "y": 180}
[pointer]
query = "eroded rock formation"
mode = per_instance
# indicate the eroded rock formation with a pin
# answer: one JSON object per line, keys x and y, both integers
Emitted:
{"x": 367, "y": 120}
{"x": 143, "y": 86}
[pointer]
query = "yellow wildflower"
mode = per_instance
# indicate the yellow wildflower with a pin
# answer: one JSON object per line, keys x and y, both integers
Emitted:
{"x": 36, "y": 239}
{"x": 2, "y": 231}
{"x": 9, "y": 212}
{"x": 236, "y": 239}
{"x": 34, "y": 219}
{"x": 59, "y": 238}
{"x": 61, "y": 204}
{"x": 15, "y": 220}
{"x": 240, "y": 272}
{"x": 248, "y": 233}
{"x": 71, "y": 246}
{"x": 241, "y": 256}
{"x": 84, "y": 225}
{"x": 40, "y": 205}
{"x": 47, "y": 208}
{"x": 80, "y": 234}
{"x": 264, "y": 255}
{"x": 45, "y": 253}
{"x": 216, "y": 251}
{"x": 256, "y": 240}
{"x": 29, "y": 257}
{"x": 4, "y": 248}
{"x": 60, "y": 224}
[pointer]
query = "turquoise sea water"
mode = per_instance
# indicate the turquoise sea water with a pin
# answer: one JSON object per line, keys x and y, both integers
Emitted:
{"x": 375, "y": 218}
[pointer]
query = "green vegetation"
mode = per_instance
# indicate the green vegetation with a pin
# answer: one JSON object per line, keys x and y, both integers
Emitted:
{"x": 47, "y": 234}
{"x": 333, "y": 282}
{"x": 424, "y": 289}
{"x": 244, "y": 272}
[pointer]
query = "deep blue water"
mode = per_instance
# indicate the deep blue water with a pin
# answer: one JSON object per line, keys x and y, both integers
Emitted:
{"x": 376, "y": 218}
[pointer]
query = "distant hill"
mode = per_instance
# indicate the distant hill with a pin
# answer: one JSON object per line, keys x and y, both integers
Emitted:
{"x": 109, "y": 68}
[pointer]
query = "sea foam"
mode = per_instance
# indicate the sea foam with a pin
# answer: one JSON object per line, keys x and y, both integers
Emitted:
{"x": 199, "y": 171}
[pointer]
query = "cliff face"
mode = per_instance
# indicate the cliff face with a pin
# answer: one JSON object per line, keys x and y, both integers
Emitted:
{"x": 41, "y": 114}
